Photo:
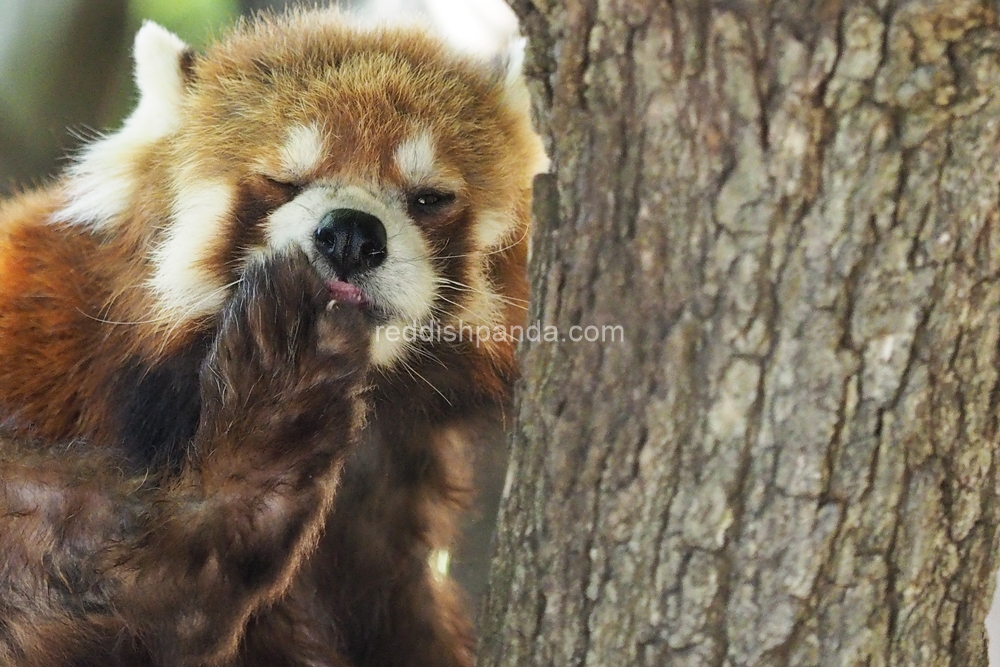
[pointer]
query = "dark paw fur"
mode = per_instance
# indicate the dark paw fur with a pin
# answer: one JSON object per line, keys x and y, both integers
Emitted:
{"x": 281, "y": 315}
{"x": 282, "y": 345}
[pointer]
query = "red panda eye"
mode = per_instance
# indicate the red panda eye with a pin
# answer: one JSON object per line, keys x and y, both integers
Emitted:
{"x": 430, "y": 201}
{"x": 259, "y": 195}
{"x": 289, "y": 189}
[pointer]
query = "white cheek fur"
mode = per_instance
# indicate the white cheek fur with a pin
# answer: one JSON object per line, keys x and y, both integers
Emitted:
{"x": 184, "y": 287}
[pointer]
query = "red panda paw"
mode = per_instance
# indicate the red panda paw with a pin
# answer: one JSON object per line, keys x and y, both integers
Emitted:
{"x": 282, "y": 340}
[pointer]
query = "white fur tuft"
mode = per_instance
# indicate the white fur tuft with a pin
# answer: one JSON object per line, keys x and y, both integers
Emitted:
{"x": 516, "y": 95}
{"x": 515, "y": 91}
{"x": 415, "y": 159}
{"x": 303, "y": 151}
{"x": 100, "y": 180}
{"x": 514, "y": 56}
{"x": 492, "y": 228}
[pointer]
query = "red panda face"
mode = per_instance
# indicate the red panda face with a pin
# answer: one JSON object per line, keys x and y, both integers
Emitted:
{"x": 400, "y": 169}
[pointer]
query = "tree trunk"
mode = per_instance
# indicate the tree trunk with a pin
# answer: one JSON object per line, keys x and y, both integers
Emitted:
{"x": 791, "y": 208}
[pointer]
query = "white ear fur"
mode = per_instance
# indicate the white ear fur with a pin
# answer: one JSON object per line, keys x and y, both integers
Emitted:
{"x": 514, "y": 57}
{"x": 158, "y": 73}
{"x": 516, "y": 95}
{"x": 510, "y": 66}
{"x": 100, "y": 180}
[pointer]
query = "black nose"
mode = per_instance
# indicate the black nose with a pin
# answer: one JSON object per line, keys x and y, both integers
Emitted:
{"x": 352, "y": 241}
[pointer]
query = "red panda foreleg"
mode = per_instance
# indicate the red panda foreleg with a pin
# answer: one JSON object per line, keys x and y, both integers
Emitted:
{"x": 177, "y": 565}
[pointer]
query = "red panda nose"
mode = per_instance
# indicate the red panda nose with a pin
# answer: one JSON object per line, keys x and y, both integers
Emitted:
{"x": 352, "y": 241}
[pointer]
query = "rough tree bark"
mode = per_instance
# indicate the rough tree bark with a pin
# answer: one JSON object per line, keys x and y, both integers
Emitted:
{"x": 792, "y": 209}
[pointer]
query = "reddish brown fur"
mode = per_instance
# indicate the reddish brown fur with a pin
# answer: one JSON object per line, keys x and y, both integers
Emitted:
{"x": 228, "y": 553}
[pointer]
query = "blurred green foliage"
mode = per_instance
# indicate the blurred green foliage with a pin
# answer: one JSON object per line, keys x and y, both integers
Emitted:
{"x": 197, "y": 22}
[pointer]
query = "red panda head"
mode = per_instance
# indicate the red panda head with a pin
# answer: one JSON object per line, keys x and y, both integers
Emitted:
{"x": 402, "y": 169}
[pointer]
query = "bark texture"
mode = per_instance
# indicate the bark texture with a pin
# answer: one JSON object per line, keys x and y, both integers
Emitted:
{"x": 792, "y": 209}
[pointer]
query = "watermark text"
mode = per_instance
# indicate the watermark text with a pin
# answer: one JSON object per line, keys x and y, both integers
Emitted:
{"x": 434, "y": 331}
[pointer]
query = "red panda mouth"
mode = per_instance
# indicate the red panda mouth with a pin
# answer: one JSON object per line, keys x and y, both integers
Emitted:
{"x": 345, "y": 292}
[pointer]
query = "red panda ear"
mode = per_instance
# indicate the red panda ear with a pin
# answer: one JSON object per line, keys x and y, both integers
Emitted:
{"x": 162, "y": 69}
{"x": 512, "y": 59}
{"x": 101, "y": 178}
{"x": 507, "y": 67}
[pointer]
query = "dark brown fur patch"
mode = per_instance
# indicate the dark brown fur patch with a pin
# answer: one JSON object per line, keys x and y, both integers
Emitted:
{"x": 187, "y": 65}
{"x": 159, "y": 406}
{"x": 256, "y": 197}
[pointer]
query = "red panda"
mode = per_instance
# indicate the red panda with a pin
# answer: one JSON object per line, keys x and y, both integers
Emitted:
{"x": 218, "y": 447}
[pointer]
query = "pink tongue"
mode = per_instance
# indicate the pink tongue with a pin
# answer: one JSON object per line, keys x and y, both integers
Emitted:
{"x": 345, "y": 292}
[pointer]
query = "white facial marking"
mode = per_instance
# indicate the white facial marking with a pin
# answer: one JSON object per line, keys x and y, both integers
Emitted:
{"x": 493, "y": 229}
{"x": 100, "y": 180}
{"x": 303, "y": 151}
{"x": 415, "y": 159}
{"x": 295, "y": 223}
{"x": 184, "y": 287}
{"x": 404, "y": 285}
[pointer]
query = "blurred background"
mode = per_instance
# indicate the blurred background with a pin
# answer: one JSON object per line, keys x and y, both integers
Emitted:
{"x": 66, "y": 74}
